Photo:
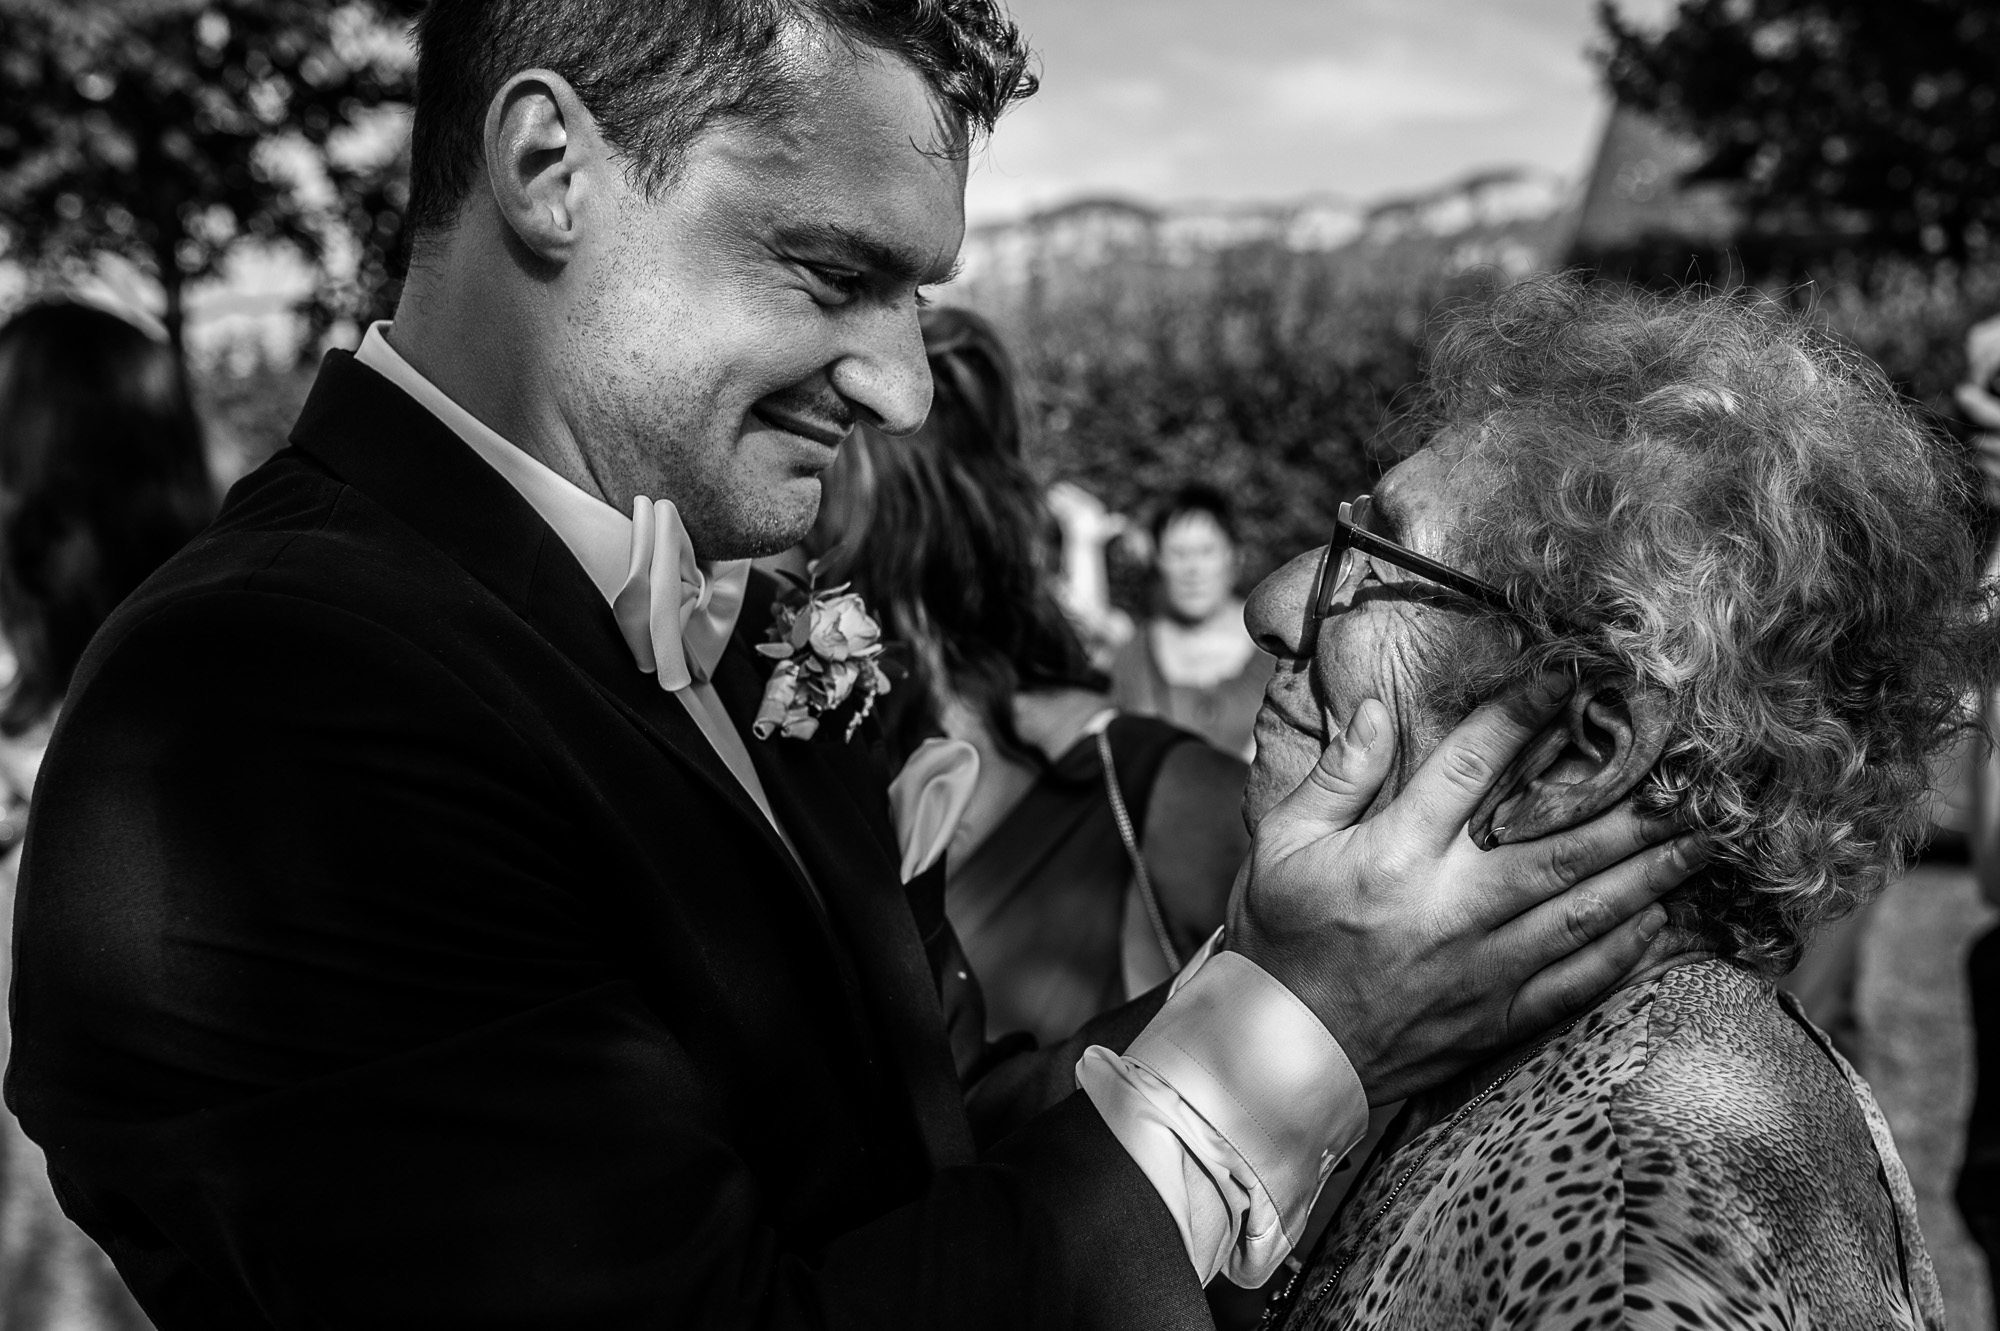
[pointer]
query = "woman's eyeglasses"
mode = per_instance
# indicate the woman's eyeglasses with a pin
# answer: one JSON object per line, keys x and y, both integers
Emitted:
{"x": 1342, "y": 566}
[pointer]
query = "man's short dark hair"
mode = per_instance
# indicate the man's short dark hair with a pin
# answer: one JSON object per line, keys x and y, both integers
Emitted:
{"x": 657, "y": 73}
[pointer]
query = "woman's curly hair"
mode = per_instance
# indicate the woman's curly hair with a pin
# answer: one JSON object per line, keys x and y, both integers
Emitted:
{"x": 1748, "y": 518}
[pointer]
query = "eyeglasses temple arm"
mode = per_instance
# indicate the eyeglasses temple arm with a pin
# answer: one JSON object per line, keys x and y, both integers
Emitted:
{"x": 1486, "y": 593}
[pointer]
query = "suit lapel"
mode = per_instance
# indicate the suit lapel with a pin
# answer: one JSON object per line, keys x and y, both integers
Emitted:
{"x": 821, "y": 792}
{"x": 377, "y": 439}
{"x": 600, "y": 650}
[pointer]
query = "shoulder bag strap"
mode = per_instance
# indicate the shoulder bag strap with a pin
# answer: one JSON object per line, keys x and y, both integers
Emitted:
{"x": 1143, "y": 880}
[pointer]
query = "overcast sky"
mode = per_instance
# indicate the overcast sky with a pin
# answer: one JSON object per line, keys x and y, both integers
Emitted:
{"x": 1269, "y": 99}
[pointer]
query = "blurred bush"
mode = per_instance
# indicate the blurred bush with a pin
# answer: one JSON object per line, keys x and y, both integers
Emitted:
{"x": 1912, "y": 318}
{"x": 1275, "y": 375}
{"x": 1263, "y": 371}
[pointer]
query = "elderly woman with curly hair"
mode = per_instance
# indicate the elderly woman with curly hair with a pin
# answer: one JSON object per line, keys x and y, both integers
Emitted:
{"x": 1757, "y": 572}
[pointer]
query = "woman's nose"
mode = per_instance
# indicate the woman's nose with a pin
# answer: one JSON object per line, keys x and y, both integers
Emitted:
{"x": 1277, "y": 612}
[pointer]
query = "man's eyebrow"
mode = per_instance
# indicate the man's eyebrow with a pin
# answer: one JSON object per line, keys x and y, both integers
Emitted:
{"x": 833, "y": 242}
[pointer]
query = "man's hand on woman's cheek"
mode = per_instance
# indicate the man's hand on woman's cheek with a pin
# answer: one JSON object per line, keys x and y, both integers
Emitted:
{"x": 1420, "y": 952}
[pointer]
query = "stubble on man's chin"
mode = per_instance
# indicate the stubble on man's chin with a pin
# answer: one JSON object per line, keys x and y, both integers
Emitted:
{"x": 728, "y": 514}
{"x": 750, "y": 522}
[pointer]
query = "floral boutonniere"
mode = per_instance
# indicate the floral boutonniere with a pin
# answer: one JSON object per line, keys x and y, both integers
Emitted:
{"x": 828, "y": 649}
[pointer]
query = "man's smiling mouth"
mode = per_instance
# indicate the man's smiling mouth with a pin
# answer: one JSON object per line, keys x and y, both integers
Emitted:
{"x": 828, "y": 434}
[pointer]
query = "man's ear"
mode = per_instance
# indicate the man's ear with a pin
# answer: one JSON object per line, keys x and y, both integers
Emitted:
{"x": 542, "y": 149}
{"x": 1608, "y": 735}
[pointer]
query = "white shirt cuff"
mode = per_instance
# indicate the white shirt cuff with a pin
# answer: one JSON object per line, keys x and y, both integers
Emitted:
{"x": 1236, "y": 1103}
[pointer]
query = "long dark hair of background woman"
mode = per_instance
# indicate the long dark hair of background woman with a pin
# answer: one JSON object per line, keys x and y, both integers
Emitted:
{"x": 102, "y": 476}
{"x": 947, "y": 536}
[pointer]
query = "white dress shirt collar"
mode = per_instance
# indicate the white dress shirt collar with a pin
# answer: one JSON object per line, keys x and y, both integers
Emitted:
{"x": 601, "y": 538}
{"x": 597, "y": 534}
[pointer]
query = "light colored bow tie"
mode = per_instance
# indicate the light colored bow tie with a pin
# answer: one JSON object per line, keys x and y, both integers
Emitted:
{"x": 676, "y": 613}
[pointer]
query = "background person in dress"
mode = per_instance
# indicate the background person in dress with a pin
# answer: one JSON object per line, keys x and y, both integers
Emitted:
{"x": 945, "y": 535}
{"x": 1194, "y": 663}
{"x": 102, "y": 477}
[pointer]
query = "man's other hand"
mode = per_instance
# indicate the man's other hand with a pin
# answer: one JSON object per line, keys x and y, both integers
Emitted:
{"x": 1420, "y": 952}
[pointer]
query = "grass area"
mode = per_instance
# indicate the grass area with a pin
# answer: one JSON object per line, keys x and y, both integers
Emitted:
{"x": 1917, "y": 1053}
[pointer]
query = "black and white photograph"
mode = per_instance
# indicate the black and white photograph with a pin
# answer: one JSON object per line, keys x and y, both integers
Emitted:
{"x": 1000, "y": 665}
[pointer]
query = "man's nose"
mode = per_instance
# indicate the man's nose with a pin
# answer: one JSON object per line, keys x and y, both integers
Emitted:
{"x": 885, "y": 376}
{"x": 1278, "y": 612}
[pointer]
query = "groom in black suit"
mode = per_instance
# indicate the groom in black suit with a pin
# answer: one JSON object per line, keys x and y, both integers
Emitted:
{"x": 413, "y": 934}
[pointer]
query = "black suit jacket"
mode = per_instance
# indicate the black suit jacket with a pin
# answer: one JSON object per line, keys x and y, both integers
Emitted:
{"x": 394, "y": 953}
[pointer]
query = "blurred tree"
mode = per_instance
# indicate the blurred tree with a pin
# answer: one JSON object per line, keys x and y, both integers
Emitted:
{"x": 170, "y": 131}
{"x": 1864, "y": 126}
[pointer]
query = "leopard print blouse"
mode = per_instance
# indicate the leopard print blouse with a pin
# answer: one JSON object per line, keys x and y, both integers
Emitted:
{"x": 1692, "y": 1155}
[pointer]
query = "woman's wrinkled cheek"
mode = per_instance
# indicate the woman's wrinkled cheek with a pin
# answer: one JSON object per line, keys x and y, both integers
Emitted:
{"x": 1403, "y": 658}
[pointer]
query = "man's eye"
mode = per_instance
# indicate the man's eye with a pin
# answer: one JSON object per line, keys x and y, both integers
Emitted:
{"x": 841, "y": 284}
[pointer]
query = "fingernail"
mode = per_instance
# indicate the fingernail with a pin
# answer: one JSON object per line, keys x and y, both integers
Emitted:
{"x": 1651, "y": 921}
{"x": 1694, "y": 850}
{"x": 1550, "y": 687}
{"x": 1363, "y": 730}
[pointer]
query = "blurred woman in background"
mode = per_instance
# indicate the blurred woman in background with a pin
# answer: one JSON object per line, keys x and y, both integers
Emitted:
{"x": 102, "y": 477}
{"x": 1071, "y": 885}
{"x": 1195, "y": 664}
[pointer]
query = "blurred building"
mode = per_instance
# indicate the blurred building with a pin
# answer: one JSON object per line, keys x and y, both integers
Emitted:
{"x": 1637, "y": 190}
{"x": 1514, "y": 219}
{"x": 1642, "y": 216}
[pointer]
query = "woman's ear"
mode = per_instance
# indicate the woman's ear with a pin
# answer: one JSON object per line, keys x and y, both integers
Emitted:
{"x": 1608, "y": 735}
{"x": 540, "y": 147}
